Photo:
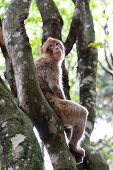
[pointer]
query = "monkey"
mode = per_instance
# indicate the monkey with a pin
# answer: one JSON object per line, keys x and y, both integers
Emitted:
{"x": 49, "y": 75}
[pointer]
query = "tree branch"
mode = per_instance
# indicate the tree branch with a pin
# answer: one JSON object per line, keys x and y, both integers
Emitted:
{"x": 89, "y": 162}
{"x": 31, "y": 99}
{"x": 106, "y": 46}
{"x": 52, "y": 27}
{"x": 74, "y": 28}
{"x": 2, "y": 44}
{"x": 52, "y": 21}
{"x": 106, "y": 69}
{"x": 9, "y": 73}
{"x": 74, "y": 1}
{"x": 87, "y": 62}
{"x": 87, "y": 67}
{"x": 16, "y": 126}
{"x": 107, "y": 60}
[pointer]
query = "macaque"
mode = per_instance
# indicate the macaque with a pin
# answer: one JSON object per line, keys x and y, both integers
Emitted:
{"x": 49, "y": 75}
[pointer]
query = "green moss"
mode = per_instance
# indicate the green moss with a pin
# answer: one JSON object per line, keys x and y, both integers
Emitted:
{"x": 35, "y": 162}
{"x": 38, "y": 163}
{"x": 9, "y": 146}
{"x": 3, "y": 85}
{"x": 5, "y": 93}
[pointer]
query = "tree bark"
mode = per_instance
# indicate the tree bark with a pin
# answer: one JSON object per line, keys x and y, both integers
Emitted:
{"x": 87, "y": 68}
{"x": 52, "y": 21}
{"x": 93, "y": 160}
{"x": 20, "y": 149}
{"x": 87, "y": 64}
{"x": 52, "y": 27}
{"x": 31, "y": 99}
{"x": 9, "y": 73}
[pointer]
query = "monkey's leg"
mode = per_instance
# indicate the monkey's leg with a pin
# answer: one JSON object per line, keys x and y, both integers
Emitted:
{"x": 73, "y": 115}
{"x": 77, "y": 134}
{"x": 75, "y": 149}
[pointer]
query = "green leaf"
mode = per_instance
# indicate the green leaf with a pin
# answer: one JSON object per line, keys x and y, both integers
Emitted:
{"x": 96, "y": 44}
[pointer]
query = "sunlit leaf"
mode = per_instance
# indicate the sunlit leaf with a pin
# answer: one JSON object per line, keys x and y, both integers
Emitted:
{"x": 96, "y": 44}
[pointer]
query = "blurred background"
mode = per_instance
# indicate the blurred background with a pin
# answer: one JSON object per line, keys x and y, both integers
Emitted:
{"x": 102, "y": 11}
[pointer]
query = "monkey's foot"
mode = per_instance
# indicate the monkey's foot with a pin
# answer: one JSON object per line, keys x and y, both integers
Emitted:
{"x": 78, "y": 153}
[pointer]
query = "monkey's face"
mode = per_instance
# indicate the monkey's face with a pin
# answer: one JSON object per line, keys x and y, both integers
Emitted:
{"x": 56, "y": 50}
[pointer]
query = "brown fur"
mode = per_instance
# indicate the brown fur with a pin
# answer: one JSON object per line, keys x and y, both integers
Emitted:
{"x": 49, "y": 74}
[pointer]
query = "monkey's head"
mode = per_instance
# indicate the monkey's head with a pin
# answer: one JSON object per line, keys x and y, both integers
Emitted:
{"x": 53, "y": 48}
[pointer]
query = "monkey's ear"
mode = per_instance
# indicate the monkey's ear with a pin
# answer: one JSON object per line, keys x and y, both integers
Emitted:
{"x": 49, "y": 38}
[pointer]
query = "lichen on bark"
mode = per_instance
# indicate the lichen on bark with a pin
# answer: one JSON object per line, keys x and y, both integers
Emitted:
{"x": 20, "y": 147}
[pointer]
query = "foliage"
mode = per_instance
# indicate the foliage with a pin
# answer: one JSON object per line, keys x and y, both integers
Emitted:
{"x": 96, "y": 44}
{"x": 66, "y": 8}
{"x": 105, "y": 146}
{"x": 3, "y": 5}
{"x": 2, "y": 65}
{"x": 71, "y": 66}
{"x": 34, "y": 29}
{"x": 102, "y": 15}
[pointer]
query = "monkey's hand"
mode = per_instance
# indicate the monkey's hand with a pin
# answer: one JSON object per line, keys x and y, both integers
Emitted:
{"x": 57, "y": 91}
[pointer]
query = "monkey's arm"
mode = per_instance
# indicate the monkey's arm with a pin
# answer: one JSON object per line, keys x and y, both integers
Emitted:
{"x": 51, "y": 76}
{"x": 55, "y": 87}
{"x": 57, "y": 90}
{"x": 46, "y": 70}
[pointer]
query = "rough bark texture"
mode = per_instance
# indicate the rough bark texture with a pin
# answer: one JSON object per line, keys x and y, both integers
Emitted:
{"x": 31, "y": 99}
{"x": 52, "y": 21}
{"x": 87, "y": 64}
{"x": 20, "y": 147}
{"x": 93, "y": 160}
{"x": 9, "y": 73}
{"x": 87, "y": 67}
{"x": 52, "y": 27}
{"x": 74, "y": 28}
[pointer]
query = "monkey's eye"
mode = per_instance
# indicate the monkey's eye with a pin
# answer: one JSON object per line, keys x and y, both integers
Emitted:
{"x": 50, "y": 45}
{"x": 57, "y": 44}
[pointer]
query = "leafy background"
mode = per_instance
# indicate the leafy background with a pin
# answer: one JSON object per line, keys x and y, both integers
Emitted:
{"x": 102, "y": 136}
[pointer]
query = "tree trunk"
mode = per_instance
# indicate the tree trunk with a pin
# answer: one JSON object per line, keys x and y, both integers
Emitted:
{"x": 87, "y": 68}
{"x": 31, "y": 99}
{"x": 20, "y": 148}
